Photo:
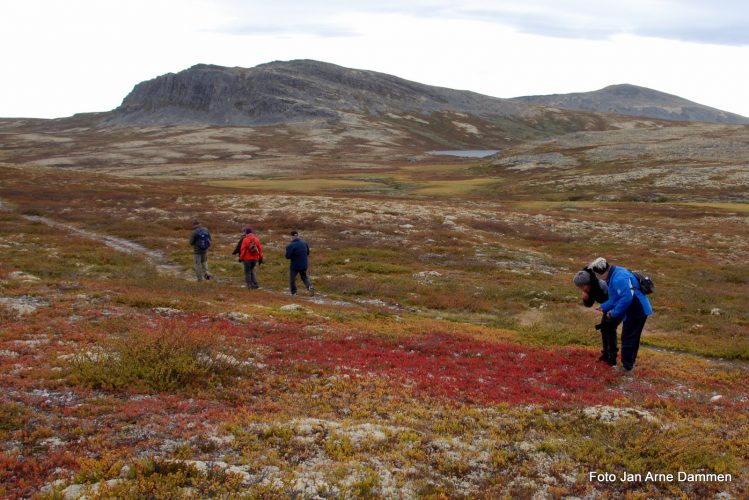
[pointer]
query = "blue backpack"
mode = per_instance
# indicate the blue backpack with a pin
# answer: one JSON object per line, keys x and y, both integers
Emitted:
{"x": 203, "y": 241}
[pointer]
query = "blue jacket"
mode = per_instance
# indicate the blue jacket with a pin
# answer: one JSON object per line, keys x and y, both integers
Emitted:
{"x": 297, "y": 252}
{"x": 623, "y": 287}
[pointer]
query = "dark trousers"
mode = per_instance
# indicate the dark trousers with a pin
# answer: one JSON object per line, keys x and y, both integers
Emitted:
{"x": 249, "y": 273}
{"x": 609, "y": 349}
{"x": 631, "y": 333}
{"x": 292, "y": 279}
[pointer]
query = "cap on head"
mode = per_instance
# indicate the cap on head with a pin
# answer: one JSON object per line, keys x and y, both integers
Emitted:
{"x": 195, "y": 223}
{"x": 582, "y": 278}
{"x": 599, "y": 266}
{"x": 247, "y": 230}
{"x": 295, "y": 233}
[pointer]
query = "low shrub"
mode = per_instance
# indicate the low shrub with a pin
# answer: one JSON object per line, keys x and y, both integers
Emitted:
{"x": 12, "y": 417}
{"x": 170, "y": 357}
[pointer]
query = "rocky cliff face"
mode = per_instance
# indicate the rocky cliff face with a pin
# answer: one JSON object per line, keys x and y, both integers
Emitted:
{"x": 289, "y": 91}
{"x": 636, "y": 101}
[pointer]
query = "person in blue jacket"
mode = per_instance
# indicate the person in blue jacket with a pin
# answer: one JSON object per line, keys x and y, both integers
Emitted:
{"x": 297, "y": 252}
{"x": 626, "y": 304}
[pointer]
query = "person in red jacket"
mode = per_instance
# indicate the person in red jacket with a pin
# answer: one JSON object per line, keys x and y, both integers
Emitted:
{"x": 250, "y": 255}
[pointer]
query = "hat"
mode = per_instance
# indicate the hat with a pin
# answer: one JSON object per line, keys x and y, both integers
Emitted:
{"x": 295, "y": 233}
{"x": 195, "y": 222}
{"x": 247, "y": 230}
{"x": 582, "y": 278}
{"x": 599, "y": 266}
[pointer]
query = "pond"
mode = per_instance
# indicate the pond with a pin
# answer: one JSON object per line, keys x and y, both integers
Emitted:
{"x": 467, "y": 153}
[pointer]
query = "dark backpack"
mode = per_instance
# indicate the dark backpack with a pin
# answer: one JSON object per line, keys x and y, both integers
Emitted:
{"x": 646, "y": 284}
{"x": 203, "y": 241}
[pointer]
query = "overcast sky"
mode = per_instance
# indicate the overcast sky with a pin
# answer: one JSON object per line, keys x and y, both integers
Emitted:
{"x": 63, "y": 57}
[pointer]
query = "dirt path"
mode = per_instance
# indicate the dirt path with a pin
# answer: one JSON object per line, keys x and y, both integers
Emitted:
{"x": 154, "y": 257}
{"x": 726, "y": 362}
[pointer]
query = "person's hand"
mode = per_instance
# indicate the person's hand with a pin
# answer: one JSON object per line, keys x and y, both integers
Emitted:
{"x": 259, "y": 262}
{"x": 586, "y": 296}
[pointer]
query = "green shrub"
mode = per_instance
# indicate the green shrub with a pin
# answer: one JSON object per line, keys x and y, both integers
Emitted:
{"x": 171, "y": 357}
{"x": 12, "y": 417}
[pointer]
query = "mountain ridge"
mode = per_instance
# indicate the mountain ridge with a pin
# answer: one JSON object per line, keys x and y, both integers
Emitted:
{"x": 281, "y": 91}
{"x": 633, "y": 100}
{"x": 298, "y": 90}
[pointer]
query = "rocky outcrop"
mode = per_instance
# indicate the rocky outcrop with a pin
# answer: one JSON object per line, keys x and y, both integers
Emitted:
{"x": 289, "y": 91}
{"x": 632, "y": 100}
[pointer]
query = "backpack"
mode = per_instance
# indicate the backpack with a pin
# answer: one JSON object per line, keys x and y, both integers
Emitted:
{"x": 646, "y": 284}
{"x": 203, "y": 241}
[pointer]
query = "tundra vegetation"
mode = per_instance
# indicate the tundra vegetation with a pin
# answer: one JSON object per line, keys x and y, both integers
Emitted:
{"x": 447, "y": 354}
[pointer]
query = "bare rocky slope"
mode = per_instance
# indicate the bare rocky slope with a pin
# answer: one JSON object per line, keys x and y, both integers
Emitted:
{"x": 632, "y": 100}
{"x": 299, "y": 90}
{"x": 281, "y": 92}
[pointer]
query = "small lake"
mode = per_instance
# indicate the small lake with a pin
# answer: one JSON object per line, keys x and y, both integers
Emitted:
{"x": 466, "y": 153}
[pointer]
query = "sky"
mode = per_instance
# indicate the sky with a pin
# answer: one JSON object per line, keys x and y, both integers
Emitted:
{"x": 65, "y": 57}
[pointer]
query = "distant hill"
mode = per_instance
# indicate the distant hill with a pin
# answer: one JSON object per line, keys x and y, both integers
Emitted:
{"x": 280, "y": 92}
{"x": 632, "y": 100}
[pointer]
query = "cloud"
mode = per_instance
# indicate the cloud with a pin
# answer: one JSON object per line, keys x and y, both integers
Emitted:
{"x": 720, "y": 22}
{"x": 325, "y": 30}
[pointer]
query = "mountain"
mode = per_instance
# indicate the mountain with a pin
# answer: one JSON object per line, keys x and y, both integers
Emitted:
{"x": 280, "y": 92}
{"x": 636, "y": 101}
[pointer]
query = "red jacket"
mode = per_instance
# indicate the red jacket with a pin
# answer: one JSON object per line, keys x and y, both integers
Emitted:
{"x": 248, "y": 251}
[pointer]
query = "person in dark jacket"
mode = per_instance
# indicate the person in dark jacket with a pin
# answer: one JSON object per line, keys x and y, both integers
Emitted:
{"x": 200, "y": 240}
{"x": 297, "y": 252}
{"x": 594, "y": 289}
{"x": 250, "y": 253}
{"x": 626, "y": 304}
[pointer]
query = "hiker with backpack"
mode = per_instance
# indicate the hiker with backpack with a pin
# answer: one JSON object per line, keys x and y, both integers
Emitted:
{"x": 594, "y": 289}
{"x": 201, "y": 242}
{"x": 250, "y": 253}
{"x": 297, "y": 252}
{"x": 627, "y": 304}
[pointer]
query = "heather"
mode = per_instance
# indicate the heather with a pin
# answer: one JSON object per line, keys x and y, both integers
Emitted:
{"x": 446, "y": 354}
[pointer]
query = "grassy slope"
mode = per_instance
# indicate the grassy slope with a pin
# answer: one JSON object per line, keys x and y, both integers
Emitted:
{"x": 475, "y": 377}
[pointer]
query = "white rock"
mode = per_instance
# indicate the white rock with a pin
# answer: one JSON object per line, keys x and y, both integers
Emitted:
{"x": 52, "y": 442}
{"x": 23, "y": 305}
{"x": 715, "y": 311}
{"x": 716, "y": 398}
{"x": 238, "y": 316}
{"x": 74, "y": 491}
{"x": 125, "y": 471}
{"x": 167, "y": 311}
{"x": 611, "y": 414}
{"x": 291, "y": 307}
{"x": 22, "y": 276}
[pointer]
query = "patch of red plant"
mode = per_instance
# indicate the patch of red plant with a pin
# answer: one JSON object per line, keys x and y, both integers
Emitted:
{"x": 456, "y": 368}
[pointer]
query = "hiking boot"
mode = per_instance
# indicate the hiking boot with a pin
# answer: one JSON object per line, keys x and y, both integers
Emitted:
{"x": 208, "y": 277}
{"x": 603, "y": 357}
{"x": 311, "y": 291}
